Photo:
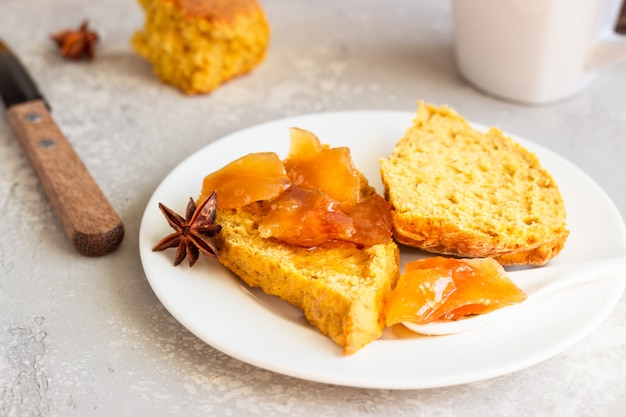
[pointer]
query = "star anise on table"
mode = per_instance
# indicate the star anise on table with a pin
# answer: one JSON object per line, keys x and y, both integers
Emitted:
{"x": 77, "y": 44}
{"x": 193, "y": 234}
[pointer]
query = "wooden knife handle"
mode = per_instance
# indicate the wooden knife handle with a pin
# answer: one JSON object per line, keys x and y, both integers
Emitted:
{"x": 89, "y": 220}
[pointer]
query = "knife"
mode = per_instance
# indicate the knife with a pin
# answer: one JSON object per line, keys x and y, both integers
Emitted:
{"x": 88, "y": 219}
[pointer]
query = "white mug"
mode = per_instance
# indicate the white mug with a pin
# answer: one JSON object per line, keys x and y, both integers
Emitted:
{"x": 535, "y": 51}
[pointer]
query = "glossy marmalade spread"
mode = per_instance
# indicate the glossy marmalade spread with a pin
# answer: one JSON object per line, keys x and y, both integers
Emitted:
{"x": 315, "y": 195}
{"x": 444, "y": 289}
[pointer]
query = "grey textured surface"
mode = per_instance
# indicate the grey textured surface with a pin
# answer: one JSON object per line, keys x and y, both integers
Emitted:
{"x": 87, "y": 337}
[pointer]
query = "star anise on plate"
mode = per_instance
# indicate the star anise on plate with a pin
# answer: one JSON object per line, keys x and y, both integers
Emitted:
{"x": 194, "y": 233}
{"x": 77, "y": 44}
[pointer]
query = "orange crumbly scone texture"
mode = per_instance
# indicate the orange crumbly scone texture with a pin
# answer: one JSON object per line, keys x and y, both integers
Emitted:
{"x": 339, "y": 287}
{"x": 462, "y": 192}
{"x": 340, "y": 281}
{"x": 197, "y": 45}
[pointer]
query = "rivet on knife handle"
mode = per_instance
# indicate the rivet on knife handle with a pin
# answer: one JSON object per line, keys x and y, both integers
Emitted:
{"x": 89, "y": 220}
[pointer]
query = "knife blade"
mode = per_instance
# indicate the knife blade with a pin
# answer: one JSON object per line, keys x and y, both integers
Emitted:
{"x": 87, "y": 217}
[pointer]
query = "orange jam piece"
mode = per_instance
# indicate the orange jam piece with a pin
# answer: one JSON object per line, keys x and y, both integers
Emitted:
{"x": 443, "y": 289}
{"x": 254, "y": 177}
{"x": 331, "y": 170}
{"x": 306, "y": 217}
{"x": 372, "y": 221}
{"x": 418, "y": 294}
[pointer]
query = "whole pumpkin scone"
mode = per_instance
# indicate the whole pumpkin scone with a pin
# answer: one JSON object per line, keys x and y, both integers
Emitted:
{"x": 197, "y": 45}
{"x": 458, "y": 191}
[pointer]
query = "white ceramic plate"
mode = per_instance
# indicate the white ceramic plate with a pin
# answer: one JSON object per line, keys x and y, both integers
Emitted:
{"x": 268, "y": 333}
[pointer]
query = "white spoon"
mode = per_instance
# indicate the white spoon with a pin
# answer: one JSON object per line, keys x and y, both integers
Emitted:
{"x": 535, "y": 283}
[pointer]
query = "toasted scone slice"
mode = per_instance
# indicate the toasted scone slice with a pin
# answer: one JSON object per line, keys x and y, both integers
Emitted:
{"x": 455, "y": 190}
{"x": 321, "y": 240}
{"x": 339, "y": 286}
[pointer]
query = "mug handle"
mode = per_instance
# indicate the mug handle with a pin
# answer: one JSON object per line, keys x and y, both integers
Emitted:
{"x": 611, "y": 46}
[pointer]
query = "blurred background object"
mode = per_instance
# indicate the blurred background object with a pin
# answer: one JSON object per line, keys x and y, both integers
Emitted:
{"x": 621, "y": 22}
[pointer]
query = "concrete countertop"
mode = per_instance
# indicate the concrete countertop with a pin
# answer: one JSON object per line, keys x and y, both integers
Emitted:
{"x": 88, "y": 337}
